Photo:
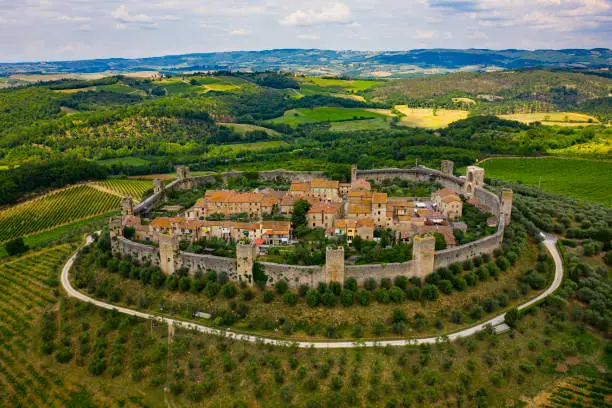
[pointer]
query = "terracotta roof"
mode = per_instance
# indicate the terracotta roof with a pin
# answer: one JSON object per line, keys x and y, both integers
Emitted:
{"x": 165, "y": 222}
{"x": 131, "y": 220}
{"x": 235, "y": 197}
{"x": 425, "y": 212}
{"x": 344, "y": 223}
{"x": 299, "y": 185}
{"x": 276, "y": 227}
{"x": 361, "y": 194}
{"x": 451, "y": 198}
{"x": 400, "y": 202}
{"x": 361, "y": 183}
{"x": 323, "y": 207}
{"x": 379, "y": 198}
{"x": 366, "y": 222}
{"x": 359, "y": 209}
{"x": 443, "y": 192}
{"x": 268, "y": 201}
{"x": 322, "y": 183}
{"x": 442, "y": 229}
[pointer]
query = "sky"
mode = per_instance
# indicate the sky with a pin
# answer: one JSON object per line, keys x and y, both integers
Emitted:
{"x": 35, "y": 30}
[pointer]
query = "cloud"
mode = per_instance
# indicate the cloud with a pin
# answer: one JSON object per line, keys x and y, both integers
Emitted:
{"x": 75, "y": 19}
{"x": 309, "y": 37}
{"x": 124, "y": 18}
{"x": 336, "y": 13}
{"x": 242, "y": 32}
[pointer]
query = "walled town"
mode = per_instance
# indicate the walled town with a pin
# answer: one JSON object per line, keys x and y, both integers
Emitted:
{"x": 343, "y": 210}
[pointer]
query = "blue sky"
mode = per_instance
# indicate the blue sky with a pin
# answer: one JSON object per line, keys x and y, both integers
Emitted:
{"x": 32, "y": 30}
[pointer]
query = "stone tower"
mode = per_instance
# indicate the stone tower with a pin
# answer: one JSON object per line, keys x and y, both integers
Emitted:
{"x": 168, "y": 253}
{"x": 127, "y": 206}
{"x": 423, "y": 250}
{"x": 159, "y": 186}
{"x": 246, "y": 253}
{"x": 474, "y": 179}
{"x": 115, "y": 228}
{"x": 353, "y": 173}
{"x": 506, "y": 204}
{"x": 447, "y": 167}
{"x": 334, "y": 264}
{"x": 182, "y": 173}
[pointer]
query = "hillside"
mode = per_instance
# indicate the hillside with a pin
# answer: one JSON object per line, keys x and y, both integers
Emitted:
{"x": 330, "y": 62}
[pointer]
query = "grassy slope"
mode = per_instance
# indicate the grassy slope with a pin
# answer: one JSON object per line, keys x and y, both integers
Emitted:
{"x": 583, "y": 179}
{"x": 298, "y": 116}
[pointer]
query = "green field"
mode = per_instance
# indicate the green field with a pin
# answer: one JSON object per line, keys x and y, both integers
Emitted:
{"x": 125, "y": 161}
{"x": 240, "y": 147}
{"x": 583, "y": 179}
{"x": 356, "y": 125}
{"x": 351, "y": 84}
{"x": 299, "y": 116}
{"x": 54, "y": 209}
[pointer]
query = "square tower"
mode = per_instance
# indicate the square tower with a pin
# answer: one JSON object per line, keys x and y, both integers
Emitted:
{"x": 423, "y": 252}
{"x": 506, "y": 204}
{"x": 447, "y": 167}
{"x": 127, "y": 206}
{"x": 334, "y": 264}
{"x": 474, "y": 178}
{"x": 246, "y": 252}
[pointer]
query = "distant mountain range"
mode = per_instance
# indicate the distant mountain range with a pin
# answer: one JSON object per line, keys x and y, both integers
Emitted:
{"x": 329, "y": 62}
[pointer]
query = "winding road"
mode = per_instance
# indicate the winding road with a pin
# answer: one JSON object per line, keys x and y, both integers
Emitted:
{"x": 549, "y": 241}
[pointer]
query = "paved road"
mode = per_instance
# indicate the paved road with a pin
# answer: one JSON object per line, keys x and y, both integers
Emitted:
{"x": 550, "y": 242}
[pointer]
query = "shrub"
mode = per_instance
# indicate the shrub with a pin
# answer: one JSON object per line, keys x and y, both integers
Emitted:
{"x": 350, "y": 284}
{"x": 363, "y": 297}
{"x": 321, "y": 287}
{"x": 290, "y": 298}
{"x": 489, "y": 305}
{"x": 511, "y": 317}
{"x": 476, "y": 312}
{"x": 503, "y": 263}
{"x": 184, "y": 284}
{"x": 379, "y": 328}
{"x": 456, "y": 317}
{"x": 281, "y": 286}
{"x": 385, "y": 283}
{"x": 331, "y": 332}
{"x": 370, "y": 284}
{"x": 467, "y": 265}
{"x": 382, "y": 296}
{"x": 493, "y": 269}
{"x": 397, "y": 294}
{"x": 486, "y": 258}
{"x": 313, "y": 298}
{"x": 445, "y": 286}
{"x": 358, "y": 331}
{"x": 229, "y": 290}
{"x": 15, "y": 247}
{"x": 471, "y": 278}
{"x": 430, "y": 292}
{"x": 347, "y": 298}
{"x": 399, "y": 327}
{"x": 303, "y": 290}
{"x": 401, "y": 282}
{"x": 413, "y": 293}
{"x": 455, "y": 268}
{"x": 329, "y": 299}
{"x": 399, "y": 316}
{"x": 248, "y": 294}
{"x": 268, "y": 296}
{"x": 335, "y": 287}
{"x": 460, "y": 284}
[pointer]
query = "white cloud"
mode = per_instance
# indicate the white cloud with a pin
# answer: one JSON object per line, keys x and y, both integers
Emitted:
{"x": 354, "y": 24}
{"x": 309, "y": 37}
{"x": 242, "y": 32}
{"x": 76, "y": 19}
{"x": 336, "y": 13}
{"x": 125, "y": 18}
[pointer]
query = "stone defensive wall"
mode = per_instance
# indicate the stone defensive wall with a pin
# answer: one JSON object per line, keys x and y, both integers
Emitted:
{"x": 425, "y": 258}
{"x": 416, "y": 173}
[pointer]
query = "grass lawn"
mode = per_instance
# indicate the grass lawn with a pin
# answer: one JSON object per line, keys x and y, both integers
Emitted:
{"x": 583, "y": 179}
{"x": 243, "y": 128}
{"x": 354, "y": 125}
{"x": 298, "y": 116}
{"x": 552, "y": 118}
{"x": 126, "y": 161}
{"x": 425, "y": 118}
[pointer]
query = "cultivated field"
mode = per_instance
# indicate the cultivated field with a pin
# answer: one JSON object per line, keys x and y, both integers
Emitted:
{"x": 355, "y": 125}
{"x": 553, "y": 118}
{"x": 583, "y": 179}
{"x": 53, "y": 209}
{"x": 427, "y": 118}
{"x": 351, "y": 85}
{"x": 126, "y": 161}
{"x": 123, "y": 188}
{"x": 299, "y": 116}
{"x": 240, "y": 147}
